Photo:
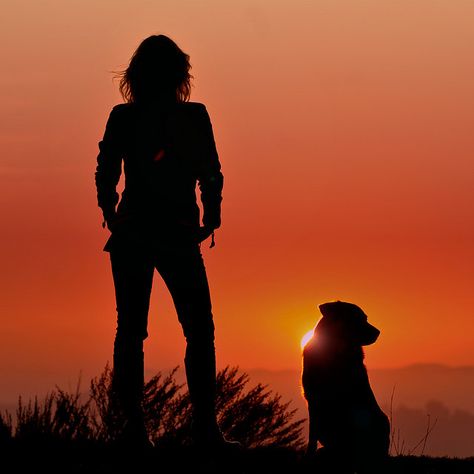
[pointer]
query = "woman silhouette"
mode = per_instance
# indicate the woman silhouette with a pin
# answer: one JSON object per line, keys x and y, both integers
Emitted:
{"x": 167, "y": 146}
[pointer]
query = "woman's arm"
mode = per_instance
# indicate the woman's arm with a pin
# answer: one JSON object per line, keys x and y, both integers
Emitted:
{"x": 109, "y": 165}
{"x": 210, "y": 178}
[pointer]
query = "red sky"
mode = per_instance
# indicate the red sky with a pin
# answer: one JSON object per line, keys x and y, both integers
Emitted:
{"x": 345, "y": 135}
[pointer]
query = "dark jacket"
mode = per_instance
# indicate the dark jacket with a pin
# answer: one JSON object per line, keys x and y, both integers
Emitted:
{"x": 165, "y": 151}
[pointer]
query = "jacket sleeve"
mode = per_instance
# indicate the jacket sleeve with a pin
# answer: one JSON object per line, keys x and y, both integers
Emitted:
{"x": 210, "y": 178}
{"x": 109, "y": 166}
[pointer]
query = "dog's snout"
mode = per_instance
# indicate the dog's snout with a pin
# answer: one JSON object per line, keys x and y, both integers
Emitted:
{"x": 370, "y": 335}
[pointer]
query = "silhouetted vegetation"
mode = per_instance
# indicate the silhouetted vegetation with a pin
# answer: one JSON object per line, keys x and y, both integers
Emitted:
{"x": 398, "y": 446}
{"x": 73, "y": 433}
{"x": 252, "y": 415}
{"x": 61, "y": 416}
{"x": 5, "y": 427}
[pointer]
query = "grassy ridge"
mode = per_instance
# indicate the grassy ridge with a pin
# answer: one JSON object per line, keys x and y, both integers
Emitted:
{"x": 97, "y": 458}
{"x": 70, "y": 434}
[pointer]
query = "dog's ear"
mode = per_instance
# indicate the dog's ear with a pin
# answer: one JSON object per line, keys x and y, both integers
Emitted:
{"x": 329, "y": 309}
{"x": 339, "y": 308}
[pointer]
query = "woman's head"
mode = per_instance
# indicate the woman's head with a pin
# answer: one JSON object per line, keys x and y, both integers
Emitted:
{"x": 158, "y": 71}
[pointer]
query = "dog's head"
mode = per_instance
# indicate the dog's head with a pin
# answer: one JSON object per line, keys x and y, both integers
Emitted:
{"x": 345, "y": 323}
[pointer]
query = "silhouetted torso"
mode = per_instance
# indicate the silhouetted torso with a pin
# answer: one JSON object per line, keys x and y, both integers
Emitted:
{"x": 166, "y": 150}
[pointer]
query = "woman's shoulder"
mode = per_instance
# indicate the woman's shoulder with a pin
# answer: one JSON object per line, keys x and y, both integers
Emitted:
{"x": 190, "y": 118}
{"x": 121, "y": 108}
{"x": 184, "y": 107}
{"x": 119, "y": 111}
{"x": 192, "y": 107}
{"x": 187, "y": 114}
{"x": 192, "y": 113}
{"x": 182, "y": 114}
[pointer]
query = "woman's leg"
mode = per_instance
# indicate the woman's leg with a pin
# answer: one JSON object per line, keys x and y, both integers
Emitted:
{"x": 185, "y": 276}
{"x": 132, "y": 272}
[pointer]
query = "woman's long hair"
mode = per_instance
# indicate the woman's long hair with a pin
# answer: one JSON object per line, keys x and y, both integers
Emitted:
{"x": 158, "y": 72}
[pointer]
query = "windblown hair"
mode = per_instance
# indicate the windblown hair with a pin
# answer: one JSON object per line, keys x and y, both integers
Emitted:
{"x": 158, "y": 71}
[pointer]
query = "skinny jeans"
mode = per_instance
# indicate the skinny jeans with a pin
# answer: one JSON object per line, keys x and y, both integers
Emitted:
{"x": 183, "y": 271}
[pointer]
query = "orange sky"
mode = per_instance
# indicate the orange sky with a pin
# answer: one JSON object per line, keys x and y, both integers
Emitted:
{"x": 345, "y": 135}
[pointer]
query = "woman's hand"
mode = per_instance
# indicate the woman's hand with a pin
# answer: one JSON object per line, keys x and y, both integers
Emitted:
{"x": 114, "y": 220}
{"x": 110, "y": 221}
{"x": 203, "y": 233}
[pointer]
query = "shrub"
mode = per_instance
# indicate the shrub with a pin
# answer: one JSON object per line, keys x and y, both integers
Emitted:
{"x": 254, "y": 416}
{"x": 61, "y": 416}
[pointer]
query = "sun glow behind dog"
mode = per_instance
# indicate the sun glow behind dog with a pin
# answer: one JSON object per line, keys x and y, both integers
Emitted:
{"x": 306, "y": 338}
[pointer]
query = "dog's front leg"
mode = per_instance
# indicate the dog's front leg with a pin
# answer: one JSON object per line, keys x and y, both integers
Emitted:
{"x": 313, "y": 433}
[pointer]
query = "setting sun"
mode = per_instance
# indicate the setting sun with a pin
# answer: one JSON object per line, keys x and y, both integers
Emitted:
{"x": 305, "y": 339}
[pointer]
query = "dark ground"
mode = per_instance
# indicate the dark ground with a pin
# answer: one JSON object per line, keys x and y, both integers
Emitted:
{"x": 93, "y": 459}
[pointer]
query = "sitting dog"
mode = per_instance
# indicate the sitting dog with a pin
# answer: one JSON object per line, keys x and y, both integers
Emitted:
{"x": 344, "y": 416}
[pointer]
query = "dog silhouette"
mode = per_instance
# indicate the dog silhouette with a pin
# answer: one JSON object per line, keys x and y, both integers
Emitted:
{"x": 344, "y": 416}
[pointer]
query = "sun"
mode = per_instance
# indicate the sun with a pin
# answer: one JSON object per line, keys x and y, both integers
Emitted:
{"x": 306, "y": 338}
